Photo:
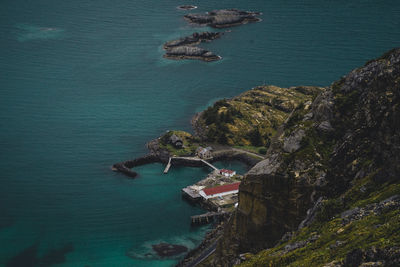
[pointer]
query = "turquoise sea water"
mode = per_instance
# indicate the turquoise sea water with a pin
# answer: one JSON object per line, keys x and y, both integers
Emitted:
{"x": 83, "y": 85}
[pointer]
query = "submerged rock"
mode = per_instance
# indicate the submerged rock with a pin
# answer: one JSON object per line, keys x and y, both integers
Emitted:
{"x": 223, "y": 18}
{"x": 30, "y": 256}
{"x": 169, "y": 250}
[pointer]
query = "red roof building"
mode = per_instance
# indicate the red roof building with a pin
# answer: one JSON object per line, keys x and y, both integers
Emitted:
{"x": 227, "y": 173}
{"x": 220, "y": 190}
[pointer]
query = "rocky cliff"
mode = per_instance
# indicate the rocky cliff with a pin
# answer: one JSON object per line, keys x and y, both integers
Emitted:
{"x": 326, "y": 194}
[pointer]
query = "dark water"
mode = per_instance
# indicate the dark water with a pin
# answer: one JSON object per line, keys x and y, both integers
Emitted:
{"x": 83, "y": 85}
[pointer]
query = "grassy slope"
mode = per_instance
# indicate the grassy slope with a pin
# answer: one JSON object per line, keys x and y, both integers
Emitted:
{"x": 252, "y": 118}
{"x": 190, "y": 143}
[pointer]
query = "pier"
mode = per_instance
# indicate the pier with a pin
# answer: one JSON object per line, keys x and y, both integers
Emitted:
{"x": 208, "y": 217}
{"x": 168, "y": 166}
{"x": 209, "y": 164}
{"x": 194, "y": 160}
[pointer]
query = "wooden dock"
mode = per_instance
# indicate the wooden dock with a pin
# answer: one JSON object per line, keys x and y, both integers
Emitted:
{"x": 208, "y": 217}
{"x": 193, "y": 159}
{"x": 209, "y": 164}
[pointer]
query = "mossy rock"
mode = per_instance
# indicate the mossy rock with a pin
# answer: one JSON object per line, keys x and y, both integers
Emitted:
{"x": 252, "y": 118}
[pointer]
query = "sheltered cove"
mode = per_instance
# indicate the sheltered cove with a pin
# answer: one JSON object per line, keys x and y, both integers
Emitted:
{"x": 162, "y": 156}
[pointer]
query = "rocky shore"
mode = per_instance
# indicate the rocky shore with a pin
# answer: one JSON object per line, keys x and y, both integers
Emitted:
{"x": 210, "y": 240}
{"x": 223, "y": 18}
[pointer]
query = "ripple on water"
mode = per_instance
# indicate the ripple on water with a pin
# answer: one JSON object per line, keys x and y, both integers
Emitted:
{"x": 26, "y": 32}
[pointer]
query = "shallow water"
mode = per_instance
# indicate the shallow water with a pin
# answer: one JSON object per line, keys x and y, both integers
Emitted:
{"x": 83, "y": 85}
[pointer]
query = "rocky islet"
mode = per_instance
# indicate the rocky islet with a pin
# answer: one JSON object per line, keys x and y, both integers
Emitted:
{"x": 184, "y": 48}
{"x": 223, "y": 18}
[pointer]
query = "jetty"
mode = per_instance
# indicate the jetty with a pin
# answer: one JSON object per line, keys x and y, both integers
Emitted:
{"x": 209, "y": 217}
{"x": 168, "y": 166}
{"x": 189, "y": 160}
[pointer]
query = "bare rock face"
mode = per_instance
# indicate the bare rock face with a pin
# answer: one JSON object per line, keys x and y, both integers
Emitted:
{"x": 351, "y": 131}
{"x": 223, "y": 18}
{"x": 292, "y": 143}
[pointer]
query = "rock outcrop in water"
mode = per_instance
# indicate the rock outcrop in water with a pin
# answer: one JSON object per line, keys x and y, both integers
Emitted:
{"x": 187, "y": 7}
{"x": 194, "y": 39}
{"x": 183, "y": 47}
{"x": 223, "y": 18}
{"x": 329, "y": 181}
{"x": 190, "y": 52}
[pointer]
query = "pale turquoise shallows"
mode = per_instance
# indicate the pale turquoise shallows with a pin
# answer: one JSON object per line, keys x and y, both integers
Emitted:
{"x": 83, "y": 85}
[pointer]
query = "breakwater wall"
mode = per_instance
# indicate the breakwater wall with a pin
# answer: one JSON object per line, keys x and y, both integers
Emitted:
{"x": 126, "y": 166}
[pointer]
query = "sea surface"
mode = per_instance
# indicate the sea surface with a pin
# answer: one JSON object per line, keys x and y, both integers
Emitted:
{"x": 83, "y": 85}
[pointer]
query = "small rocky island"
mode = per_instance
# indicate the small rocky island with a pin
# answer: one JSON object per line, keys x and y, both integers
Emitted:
{"x": 223, "y": 18}
{"x": 183, "y": 48}
{"x": 194, "y": 39}
{"x": 190, "y": 52}
{"x": 187, "y": 7}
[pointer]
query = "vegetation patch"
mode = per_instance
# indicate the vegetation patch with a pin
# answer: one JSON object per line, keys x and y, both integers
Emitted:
{"x": 252, "y": 118}
{"x": 190, "y": 143}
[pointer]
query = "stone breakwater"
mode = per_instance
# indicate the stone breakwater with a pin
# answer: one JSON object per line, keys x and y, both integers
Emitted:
{"x": 125, "y": 167}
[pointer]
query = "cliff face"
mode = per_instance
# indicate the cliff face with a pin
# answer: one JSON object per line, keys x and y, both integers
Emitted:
{"x": 340, "y": 153}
